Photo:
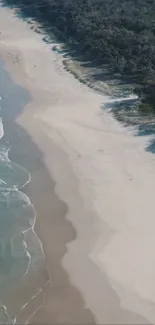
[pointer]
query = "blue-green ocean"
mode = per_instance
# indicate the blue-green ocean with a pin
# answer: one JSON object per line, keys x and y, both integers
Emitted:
{"x": 18, "y": 259}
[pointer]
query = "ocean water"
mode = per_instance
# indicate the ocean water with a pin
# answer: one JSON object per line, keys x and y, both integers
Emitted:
{"x": 18, "y": 260}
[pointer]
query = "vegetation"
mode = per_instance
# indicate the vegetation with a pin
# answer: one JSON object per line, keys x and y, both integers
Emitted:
{"x": 145, "y": 108}
{"x": 117, "y": 33}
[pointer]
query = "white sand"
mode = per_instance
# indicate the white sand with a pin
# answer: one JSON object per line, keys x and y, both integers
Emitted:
{"x": 105, "y": 177}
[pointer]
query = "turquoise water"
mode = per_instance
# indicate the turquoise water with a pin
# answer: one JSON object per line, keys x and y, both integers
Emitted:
{"x": 17, "y": 214}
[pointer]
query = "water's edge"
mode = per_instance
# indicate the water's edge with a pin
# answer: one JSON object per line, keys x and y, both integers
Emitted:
{"x": 18, "y": 215}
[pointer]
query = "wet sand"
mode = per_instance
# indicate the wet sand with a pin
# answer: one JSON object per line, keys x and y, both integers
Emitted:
{"x": 62, "y": 302}
{"x": 78, "y": 156}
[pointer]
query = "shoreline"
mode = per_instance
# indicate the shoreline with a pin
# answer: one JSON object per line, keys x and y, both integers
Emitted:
{"x": 26, "y": 291}
{"x": 21, "y": 147}
{"x": 59, "y": 284}
{"x": 85, "y": 152}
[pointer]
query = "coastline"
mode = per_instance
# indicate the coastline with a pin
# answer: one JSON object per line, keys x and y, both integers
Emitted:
{"x": 24, "y": 294}
{"x": 62, "y": 295}
{"x": 61, "y": 115}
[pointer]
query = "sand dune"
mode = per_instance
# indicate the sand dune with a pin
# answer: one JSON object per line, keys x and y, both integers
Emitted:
{"x": 102, "y": 173}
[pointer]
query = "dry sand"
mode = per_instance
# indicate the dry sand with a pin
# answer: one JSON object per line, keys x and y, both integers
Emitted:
{"x": 105, "y": 181}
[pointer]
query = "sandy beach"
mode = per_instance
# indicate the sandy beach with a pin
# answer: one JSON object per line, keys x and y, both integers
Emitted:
{"x": 92, "y": 187}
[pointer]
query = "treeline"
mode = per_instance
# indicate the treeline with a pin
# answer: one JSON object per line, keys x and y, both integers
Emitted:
{"x": 118, "y": 33}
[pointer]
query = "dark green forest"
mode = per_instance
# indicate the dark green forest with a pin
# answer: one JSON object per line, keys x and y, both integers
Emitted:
{"x": 117, "y": 33}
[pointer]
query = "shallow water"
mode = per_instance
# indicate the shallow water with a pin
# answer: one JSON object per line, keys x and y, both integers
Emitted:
{"x": 17, "y": 215}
